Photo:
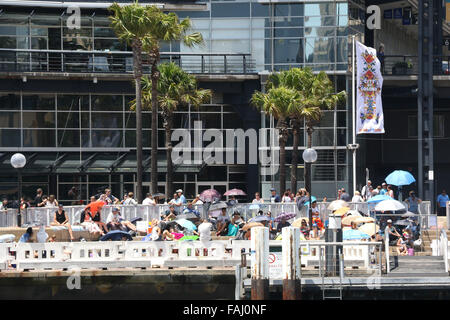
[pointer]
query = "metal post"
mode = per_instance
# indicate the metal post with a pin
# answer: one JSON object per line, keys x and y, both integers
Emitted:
{"x": 19, "y": 191}
{"x": 225, "y": 63}
{"x": 260, "y": 263}
{"x": 291, "y": 264}
{"x": 353, "y": 113}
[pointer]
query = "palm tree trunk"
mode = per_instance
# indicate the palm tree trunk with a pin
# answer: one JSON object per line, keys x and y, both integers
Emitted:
{"x": 282, "y": 141}
{"x": 154, "y": 153}
{"x": 168, "y": 124}
{"x": 137, "y": 69}
{"x": 294, "y": 163}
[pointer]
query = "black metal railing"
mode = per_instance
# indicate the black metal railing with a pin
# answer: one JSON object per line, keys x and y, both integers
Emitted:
{"x": 409, "y": 65}
{"x": 70, "y": 61}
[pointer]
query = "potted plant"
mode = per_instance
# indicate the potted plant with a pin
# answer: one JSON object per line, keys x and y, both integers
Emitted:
{"x": 402, "y": 67}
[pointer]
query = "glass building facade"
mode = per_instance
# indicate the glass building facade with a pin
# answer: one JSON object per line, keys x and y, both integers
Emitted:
{"x": 81, "y": 119}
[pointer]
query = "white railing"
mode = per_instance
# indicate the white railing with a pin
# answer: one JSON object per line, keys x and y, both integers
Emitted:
{"x": 444, "y": 247}
{"x": 134, "y": 254}
{"x": 386, "y": 249}
{"x": 8, "y": 218}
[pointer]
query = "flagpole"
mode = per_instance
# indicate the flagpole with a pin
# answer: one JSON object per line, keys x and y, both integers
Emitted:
{"x": 354, "y": 112}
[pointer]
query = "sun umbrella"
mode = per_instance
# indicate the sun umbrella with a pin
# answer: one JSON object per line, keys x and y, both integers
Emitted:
{"x": 215, "y": 213}
{"x": 354, "y": 234}
{"x": 401, "y": 222}
{"x": 353, "y": 213}
{"x": 188, "y": 216}
{"x": 347, "y": 221}
{"x": 400, "y": 178}
{"x": 389, "y": 205}
{"x": 159, "y": 195}
{"x": 252, "y": 225}
{"x": 260, "y": 219}
{"x": 378, "y": 198}
{"x": 235, "y": 192}
{"x": 313, "y": 199}
{"x": 336, "y": 204}
{"x": 298, "y": 223}
{"x": 285, "y": 216}
{"x": 409, "y": 214}
{"x": 116, "y": 235}
{"x": 364, "y": 220}
{"x": 218, "y": 206}
{"x": 254, "y": 206}
{"x": 341, "y": 211}
{"x": 186, "y": 224}
{"x": 369, "y": 228}
{"x": 210, "y": 195}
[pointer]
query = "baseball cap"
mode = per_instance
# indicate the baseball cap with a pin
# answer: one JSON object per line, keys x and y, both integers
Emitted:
{"x": 272, "y": 189}
{"x": 389, "y": 221}
{"x": 115, "y": 209}
{"x": 179, "y": 190}
{"x": 384, "y": 184}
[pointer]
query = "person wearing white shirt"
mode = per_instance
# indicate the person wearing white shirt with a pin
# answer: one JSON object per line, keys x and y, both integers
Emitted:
{"x": 258, "y": 198}
{"x": 286, "y": 198}
{"x": 149, "y": 200}
{"x": 115, "y": 219}
{"x": 204, "y": 229}
{"x": 181, "y": 196}
{"x": 129, "y": 200}
{"x": 197, "y": 200}
{"x": 357, "y": 197}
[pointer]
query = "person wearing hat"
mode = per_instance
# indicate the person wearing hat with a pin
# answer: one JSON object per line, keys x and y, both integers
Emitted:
{"x": 392, "y": 232}
{"x": 181, "y": 196}
{"x": 413, "y": 202}
{"x": 60, "y": 219}
{"x": 274, "y": 197}
{"x": 383, "y": 188}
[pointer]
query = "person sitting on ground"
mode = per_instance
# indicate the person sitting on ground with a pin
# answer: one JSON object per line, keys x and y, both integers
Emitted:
{"x": 314, "y": 233}
{"x": 304, "y": 229}
{"x": 402, "y": 249}
{"x": 60, "y": 219}
{"x": 176, "y": 202}
{"x": 170, "y": 214}
{"x": 86, "y": 221}
{"x": 222, "y": 222}
{"x": 233, "y": 226}
{"x": 114, "y": 221}
{"x": 26, "y": 237}
{"x": 204, "y": 229}
{"x": 52, "y": 238}
{"x": 190, "y": 209}
{"x": 282, "y": 225}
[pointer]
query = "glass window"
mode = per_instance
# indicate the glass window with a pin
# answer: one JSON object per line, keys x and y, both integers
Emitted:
{"x": 109, "y": 44}
{"x": 107, "y": 103}
{"x": 9, "y": 101}
{"x": 341, "y": 119}
{"x": 104, "y": 32}
{"x": 289, "y": 51}
{"x": 76, "y": 33}
{"x": 39, "y": 43}
{"x": 71, "y": 138}
{"x": 327, "y": 119}
{"x": 230, "y": 10}
{"x": 106, "y": 120}
{"x": 72, "y": 119}
{"x": 323, "y": 137}
{"x": 232, "y": 120}
{"x": 130, "y": 138}
{"x": 260, "y": 10}
{"x": 38, "y": 119}
{"x": 289, "y": 10}
{"x": 130, "y": 120}
{"x": 39, "y": 138}
{"x": 38, "y": 102}
{"x": 10, "y": 138}
{"x": 319, "y": 50}
{"x": 107, "y": 138}
{"x": 72, "y": 102}
{"x": 77, "y": 44}
{"x": 10, "y": 119}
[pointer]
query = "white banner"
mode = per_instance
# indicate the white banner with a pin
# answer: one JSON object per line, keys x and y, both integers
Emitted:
{"x": 369, "y": 110}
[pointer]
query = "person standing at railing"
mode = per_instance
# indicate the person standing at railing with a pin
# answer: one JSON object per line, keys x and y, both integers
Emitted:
{"x": 286, "y": 197}
{"x": 442, "y": 202}
{"x": 390, "y": 192}
{"x": 5, "y": 204}
{"x": 39, "y": 197}
{"x": 258, "y": 198}
{"x": 129, "y": 201}
{"x": 345, "y": 196}
{"x": 181, "y": 196}
{"x": 274, "y": 197}
{"x": 357, "y": 197}
{"x": 383, "y": 188}
{"x": 149, "y": 200}
{"x": 176, "y": 202}
{"x": 380, "y": 56}
{"x": 365, "y": 192}
{"x": 413, "y": 202}
{"x": 109, "y": 198}
{"x": 197, "y": 200}
{"x": 51, "y": 202}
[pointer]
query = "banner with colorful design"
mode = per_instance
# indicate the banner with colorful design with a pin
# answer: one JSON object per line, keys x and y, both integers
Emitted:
{"x": 369, "y": 110}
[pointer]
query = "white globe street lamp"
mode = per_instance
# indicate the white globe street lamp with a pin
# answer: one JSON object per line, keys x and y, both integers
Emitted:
{"x": 18, "y": 161}
{"x": 309, "y": 156}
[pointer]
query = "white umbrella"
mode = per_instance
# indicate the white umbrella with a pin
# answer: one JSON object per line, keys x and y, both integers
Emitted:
{"x": 337, "y": 204}
{"x": 353, "y": 213}
{"x": 409, "y": 214}
{"x": 389, "y": 205}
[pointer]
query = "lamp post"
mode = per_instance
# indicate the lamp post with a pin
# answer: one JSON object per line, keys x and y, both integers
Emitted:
{"x": 309, "y": 156}
{"x": 18, "y": 161}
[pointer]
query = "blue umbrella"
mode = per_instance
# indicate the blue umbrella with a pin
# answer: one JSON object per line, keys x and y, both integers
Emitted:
{"x": 186, "y": 224}
{"x": 313, "y": 199}
{"x": 379, "y": 198}
{"x": 400, "y": 178}
{"x": 116, "y": 235}
{"x": 354, "y": 234}
{"x": 260, "y": 219}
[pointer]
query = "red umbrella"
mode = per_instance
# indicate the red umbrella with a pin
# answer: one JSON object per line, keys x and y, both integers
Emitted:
{"x": 210, "y": 195}
{"x": 235, "y": 192}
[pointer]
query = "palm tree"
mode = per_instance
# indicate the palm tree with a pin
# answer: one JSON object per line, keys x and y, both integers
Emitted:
{"x": 280, "y": 102}
{"x": 132, "y": 24}
{"x": 164, "y": 27}
{"x": 316, "y": 93}
{"x": 175, "y": 88}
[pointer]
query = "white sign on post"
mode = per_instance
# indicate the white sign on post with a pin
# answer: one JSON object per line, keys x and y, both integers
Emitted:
{"x": 275, "y": 265}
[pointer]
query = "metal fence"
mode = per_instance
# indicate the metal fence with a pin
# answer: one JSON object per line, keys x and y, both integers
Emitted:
{"x": 409, "y": 65}
{"x": 20, "y": 60}
{"x": 8, "y": 218}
